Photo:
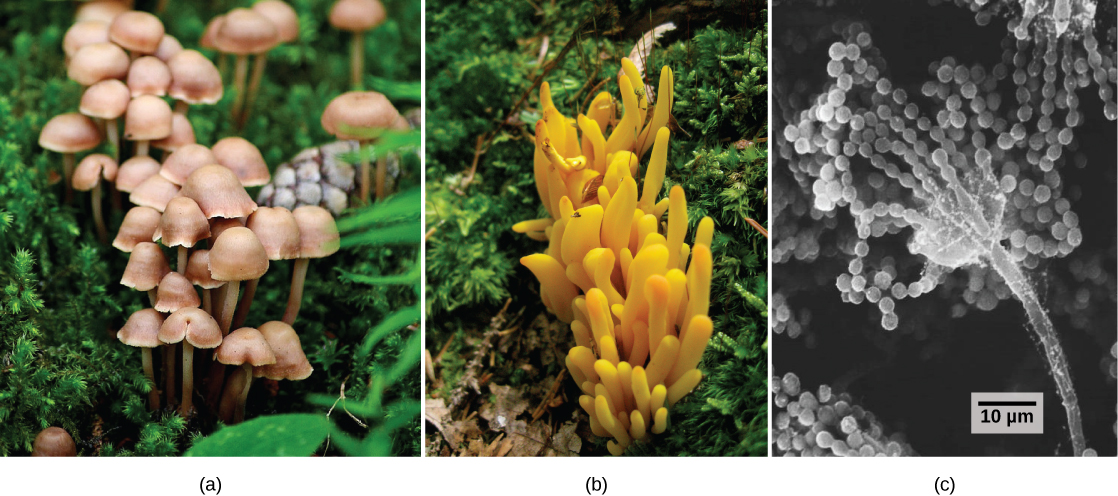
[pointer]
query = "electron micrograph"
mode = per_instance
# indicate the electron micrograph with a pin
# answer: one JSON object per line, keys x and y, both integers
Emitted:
{"x": 943, "y": 196}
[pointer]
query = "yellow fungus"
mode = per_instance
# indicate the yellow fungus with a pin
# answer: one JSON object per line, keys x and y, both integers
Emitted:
{"x": 642, "y": 396}
{"x": 657, "y": 290}
{"x": 684, "y": 386}
{"x": 677, "y": 224}
{"x": 663, "y": 360}
{"x": 662, "y": 113}
{"x": 636, "y": 423}
{"x": 705, "y": 232}
{"x": 532, "y": 225}
{"x": 583, "y": 358}
{"x": 608, "y": 349}
{"x": 625, "y": 377}
{"x": 691, "y": 347}
{"x": 657, "y": 397}
{"x": 639, "y": 352}
{"x": 660, "y": 424}
{"x": 553, "y": 280}
{"x": 657, "y": 165}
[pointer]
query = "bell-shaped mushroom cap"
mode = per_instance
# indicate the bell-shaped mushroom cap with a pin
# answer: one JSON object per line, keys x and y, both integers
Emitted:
{"x": 146, "y": 267}
{"x": 101, "y": 10}
{"x": 183, "y": 224}
{"x": 96, "y": 62}
{"x": 154, "y": 192}
{"x": 318, "y": 233}
{"x": 194, "y": 79}
{"x": 54, "y": 441}
{"x": 283, "y": 17}
{"x": 175, "y": 292}
{"x": 83, "y": 33}
{"x": 138, "y": 227}
{"x": 91, "y": 169}
{"x": 148, "y": 76}
{"x": 198, "y": 270}
{"x": 142, "y": 329}
{"x": 135, "y": 171}
{"x": 245, "y": 345}
{"x": 357, "y": 15}
{"x": 148, "y": 118}
{"x": 181, "y": 163}
{"x": 169, "y": 46}
{"x": 106, "y": 100}
{"x": 244, "y": 32}
{"x": 182, "y": 134}
{"x": 351, "y": 115}
{"x": 244, "y": 159}
{"x": 137, "y": 31}
{"x": 69, "y": 133}
{"x": 218, "y": 191}
{"x": 209, "y": 36}
{"x": 237, "y": 255}
{"x": 192, "y": 324}
{"x": 277, "y": 231}
{"x": 291, "y": 362}
{"x": 219, "y": 225}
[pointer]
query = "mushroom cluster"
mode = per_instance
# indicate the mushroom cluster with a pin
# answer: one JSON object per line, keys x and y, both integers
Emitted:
{"x": 623, "y": 279}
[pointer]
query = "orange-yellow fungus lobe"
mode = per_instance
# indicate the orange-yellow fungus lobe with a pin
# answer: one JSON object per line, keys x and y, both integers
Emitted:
{"x": 663, "y": 360}
{"x": 684, "y": 385}
{"x": 691, "y": 347}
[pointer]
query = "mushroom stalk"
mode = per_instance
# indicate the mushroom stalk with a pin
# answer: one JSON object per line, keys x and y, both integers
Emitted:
{"x": 98, "y": 219}
{"x": 184, "y": 254}
{"x": 382, "y": 173}
{"x": 142, "y": 148}
{"x": 152, "y": 293}
{"x": 149, "y": 371}
{"x": 181, "y": 107}
{"x": 240, "y": 73}
{"x": 239, "y": 416}
{"x": 114, "y": 137}
{"x": 232, "y": 288}
{"x": 187, "y": 379}
{"x": 169, "y": 372}
{"x": 365, "y": 179}
{"x": 227, "y": 402}
{"x": 246, "y": 303}
{"x": 253, "y": 86}
{"x": 67, "y": 171}
{"x": 207, "y": 301}
{"x": 357, "y": 59}
{"x": 295, "y": 299}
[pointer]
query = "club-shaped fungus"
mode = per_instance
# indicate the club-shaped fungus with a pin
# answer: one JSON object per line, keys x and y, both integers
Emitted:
{"x": 247, "y": 348}
{"x": 87, "y": 177}
{"x": 194, "y": 328}
{"x": 318, "y": 238}
{"x": 142, "y": 331}
{"x": 54, "y": 441}
{"x": 69, "y": 134}
{"x": 357, "y": 16}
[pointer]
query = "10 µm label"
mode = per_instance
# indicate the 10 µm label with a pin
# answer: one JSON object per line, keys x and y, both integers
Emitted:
{"x": 1007, "y": 413}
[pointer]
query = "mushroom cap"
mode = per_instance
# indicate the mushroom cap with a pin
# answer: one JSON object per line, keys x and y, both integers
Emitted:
{"x": 182, "y": 224}
{"x": 137, "y": 31}
{"x": 96, "y": 62}
{"x": 91, "y": 169}
{"x": 69, "y": 133}
{"x": 146, "y": 267}
{"x": 245, "y": 345}
{"x": 138, "y": 227}
{"x": 237, "y": 255}
{"x": 244, "y": 159}
{"x": 192, "y": 324}
{"x": 291, "y": 362}
{"x": 218, "y": 191}
{"x": 182, "y": 134}
{"x": 101, "y": 10}
{"x": 184, "y": 161}
{"x": 209, "y": 35}
{"x": 107, "y": 99}
{"x": 83, "y": 33}
{"x": 219, "y": 225}
{"x": 175, "y": 292}
{"x": 155, "y": 192}
{"x": 54, "y": 441}
{"x": 318, "y": 233}
{"x": 169, "y": 46}
{"x": 198, "y": 270}
{"x": 357, "y": 15}
{"x": 148, "y": 118}
{"x": 277, "y": 230}
{"x": 148, "y": 76}
{"x": 135, "y": 171}
{"x": 350, "y": 113}
{"x": 283, "y": 17}
{"x": 142, "y": 329}
{"x": 194, "y": 79}
{"x": 245, "y": 31}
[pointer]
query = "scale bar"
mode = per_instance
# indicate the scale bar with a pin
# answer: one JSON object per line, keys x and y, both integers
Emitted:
{"x": 1006, "y": 403}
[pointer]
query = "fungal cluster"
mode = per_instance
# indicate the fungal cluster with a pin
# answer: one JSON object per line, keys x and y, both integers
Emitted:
{"x": 635, "y": 293}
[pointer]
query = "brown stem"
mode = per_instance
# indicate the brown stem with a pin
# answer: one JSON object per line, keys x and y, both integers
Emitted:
{"x": 98, "y": 219}
{"x": 67, "y": 171}
{"x": 181, "y": 107}
{"x": 357, "y": 59}
{"x": 152, "y": 293}
{"x": 239, "y": 75}
{"x": 231, "y": 394}
{"x": 253, "y": 86}
{"x": 207, "y": 301}
{"x": 214, "y": 383}
{"x": 233, "y": 287}
{"x": 142, "y": 148}
{"x": 366, "y": 181}
{"x": 295, "y": 299}
{"x": 114, "y": 137}
{"x": 169, "y": 376}
{"x": 239, "y": 416}
{"x": 246, "y": 303}
{"x": 149, "y": 371}
{"x": 382, "y": 173}
{"x": 187, "y": 379}
{"x": 222, "y": 64}
{"x": 184, "y": 254}
{"x": 117, "y": 202}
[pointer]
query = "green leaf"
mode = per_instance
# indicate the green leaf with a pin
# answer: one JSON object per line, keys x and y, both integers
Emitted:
{"x": 294, "y": 434}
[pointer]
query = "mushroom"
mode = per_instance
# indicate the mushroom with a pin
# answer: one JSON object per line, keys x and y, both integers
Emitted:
{"x": 291, "y": 363}
{"x": 146, "y": 267}
{"x": 244, "y": 159}
{"x": 138, "y": 227}
{"x": 169, "y": 46}
{"x": 83, "y": 33}
{"x": 194, "y": 328}
{"x": 184, "y": 161}
{"x": 148, "y": 76}
{"x": 155, "y": 192}
{"x": 279, "y": 234}
{"x": 142, "y": 331}
{"x": 97, "y": 62}
{"x": 182, "y": 134}
{"x": 134, "y": 172}
{"x": 107, "y": 100}
{"x": 69, "y": 134}
{"x": 244, "y": 32}
{"x": 285, "y": 20}
{"x": 101, "y": 10}
{"x": 198, "y": 272}
{"x": 87, "y": 177}
{"x": 183, "y": 224}
{"x": 318, "y": 238}
{"x": 174, "y": 293}
{"x": 209, "y": 41}
{"x": 355, "y": 115}
{"x": 54, "y": 441}
{"x": 194, "y": 81}
{"x": 148, "y": 118}
{"x": 218, "y": 192}
{"x": 248, "y": 348}
{"x": 137, "y": 32}
{"x": 357, "y": 16}
{"x": 237, "y": 255}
